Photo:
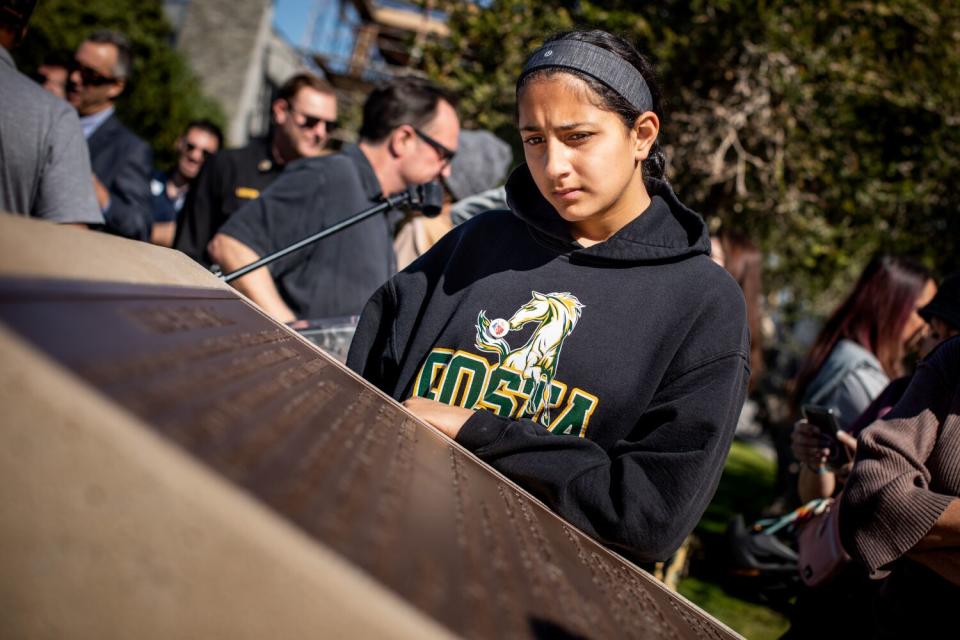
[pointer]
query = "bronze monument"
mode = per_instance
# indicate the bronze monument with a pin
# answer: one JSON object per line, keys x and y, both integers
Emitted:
{"x": 176, "y": 464}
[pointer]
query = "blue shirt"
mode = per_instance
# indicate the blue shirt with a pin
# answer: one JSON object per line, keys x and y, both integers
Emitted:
{"x": 163, "y": 208}
{"x": 92, "y": 122}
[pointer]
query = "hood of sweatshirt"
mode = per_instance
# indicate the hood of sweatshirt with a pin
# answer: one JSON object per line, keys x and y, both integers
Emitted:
{"x": 667, "y": 230}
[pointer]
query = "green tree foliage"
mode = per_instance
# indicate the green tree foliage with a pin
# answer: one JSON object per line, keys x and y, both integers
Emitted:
{"x": 163, "y": 95}
{"x": 826, "y": 131}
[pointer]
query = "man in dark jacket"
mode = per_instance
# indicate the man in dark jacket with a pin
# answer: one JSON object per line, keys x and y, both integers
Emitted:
{"x": 121, "y": 161}
{"x": 303, "y": 114}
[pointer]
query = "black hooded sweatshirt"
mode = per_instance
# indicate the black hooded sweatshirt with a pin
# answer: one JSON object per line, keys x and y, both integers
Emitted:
{"x": 608, "y": 379}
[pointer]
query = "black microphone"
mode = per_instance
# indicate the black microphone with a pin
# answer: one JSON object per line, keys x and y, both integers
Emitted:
{"x": 426, "y": 198}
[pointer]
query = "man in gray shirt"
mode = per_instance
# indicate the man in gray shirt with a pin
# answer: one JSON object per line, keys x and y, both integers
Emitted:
{"x": 44, "y": 162}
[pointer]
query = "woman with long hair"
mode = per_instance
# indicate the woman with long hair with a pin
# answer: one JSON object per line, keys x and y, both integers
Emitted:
{"x": 862, "y": 345}
{"x": 859, "y": 350}
{"x": 582, "y": 343}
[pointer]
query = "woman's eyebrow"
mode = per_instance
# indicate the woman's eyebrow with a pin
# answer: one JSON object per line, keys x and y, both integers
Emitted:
{"x": 562, "y": 127}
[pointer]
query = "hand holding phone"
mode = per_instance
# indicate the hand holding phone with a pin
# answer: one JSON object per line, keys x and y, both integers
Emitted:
{"x": 826, "y": 421}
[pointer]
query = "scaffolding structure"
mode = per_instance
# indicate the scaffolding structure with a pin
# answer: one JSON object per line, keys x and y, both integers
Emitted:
{"x": 358, "y": 43}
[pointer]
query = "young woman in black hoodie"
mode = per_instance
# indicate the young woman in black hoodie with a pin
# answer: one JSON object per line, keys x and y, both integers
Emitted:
{"x": 582, "y": 343}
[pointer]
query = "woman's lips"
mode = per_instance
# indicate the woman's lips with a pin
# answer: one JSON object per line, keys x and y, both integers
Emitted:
{"x": 567, "y": 194}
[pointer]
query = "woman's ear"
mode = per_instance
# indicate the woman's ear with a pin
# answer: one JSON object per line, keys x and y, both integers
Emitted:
{"x": 646, "y": 129}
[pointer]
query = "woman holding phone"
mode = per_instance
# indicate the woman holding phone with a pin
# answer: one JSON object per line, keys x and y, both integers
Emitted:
{"x": 859, "y": 350}
{"x": 582, "y": 343}
{"x": 861, "y": 347}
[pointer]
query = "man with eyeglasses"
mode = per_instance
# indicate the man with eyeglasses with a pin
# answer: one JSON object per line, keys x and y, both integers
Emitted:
{"x": 303, "y": 115}
{"x": 121, "y": 161}
{"x": 408, "y": 136}
{"x": 45, "y": 169}
{"x": 200, "y": 140}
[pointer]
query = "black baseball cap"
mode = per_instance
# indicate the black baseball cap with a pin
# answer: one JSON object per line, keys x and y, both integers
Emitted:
{"x": 946, "y": 304}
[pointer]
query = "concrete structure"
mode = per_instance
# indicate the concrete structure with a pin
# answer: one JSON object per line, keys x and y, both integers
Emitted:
{"x": 238, "y": 57}
{"x": 241, "y": 59}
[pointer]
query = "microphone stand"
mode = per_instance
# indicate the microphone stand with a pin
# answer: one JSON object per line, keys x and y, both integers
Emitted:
{"x": 420, "y": 195}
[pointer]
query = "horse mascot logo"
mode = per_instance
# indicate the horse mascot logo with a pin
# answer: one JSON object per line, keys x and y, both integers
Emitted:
{"x": 537, "y": 360}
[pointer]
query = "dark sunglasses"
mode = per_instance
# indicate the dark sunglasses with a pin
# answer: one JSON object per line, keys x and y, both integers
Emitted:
{"x": 311, "y": 122}
{"x": 446, "y": 155}
{"x": 90, "y": 77}
{"x": 190, "y": 147}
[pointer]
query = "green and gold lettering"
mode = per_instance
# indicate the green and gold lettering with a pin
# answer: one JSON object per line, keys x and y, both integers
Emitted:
{"x": 463, "y": 380}
{"x": 431, "y": 371}
{"x": 575, "y": 417}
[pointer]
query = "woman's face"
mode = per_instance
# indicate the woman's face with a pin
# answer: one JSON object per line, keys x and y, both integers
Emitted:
{"x": 585, "y": 162}
{"x": 915, "y": 328}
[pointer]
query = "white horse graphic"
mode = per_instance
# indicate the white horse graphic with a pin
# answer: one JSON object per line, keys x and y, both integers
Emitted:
{"x": 537, "y": 360}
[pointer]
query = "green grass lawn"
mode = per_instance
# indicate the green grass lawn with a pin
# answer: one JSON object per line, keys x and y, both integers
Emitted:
{"x": 753, "y": 621}
{"x": 746, "y": 487}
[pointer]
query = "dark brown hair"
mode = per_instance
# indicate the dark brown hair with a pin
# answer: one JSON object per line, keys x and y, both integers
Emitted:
{"x": 410, "y": 101}
{"x": 295, "y": 83}
{"x": 873, "y": 316}
{"x": 610, "y": 100}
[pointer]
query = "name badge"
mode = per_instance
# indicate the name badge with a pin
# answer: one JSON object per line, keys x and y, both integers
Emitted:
{"x": 247, "y": 193}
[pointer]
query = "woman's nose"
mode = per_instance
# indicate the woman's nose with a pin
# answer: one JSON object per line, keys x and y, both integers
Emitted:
{"x": 556, "y": 160}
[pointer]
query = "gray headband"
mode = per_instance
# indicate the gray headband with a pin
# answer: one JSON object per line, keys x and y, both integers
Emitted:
{"x": 598, "y": 63}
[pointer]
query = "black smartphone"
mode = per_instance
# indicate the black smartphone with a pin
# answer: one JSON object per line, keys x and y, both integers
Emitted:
{"x": 825, "y": 420}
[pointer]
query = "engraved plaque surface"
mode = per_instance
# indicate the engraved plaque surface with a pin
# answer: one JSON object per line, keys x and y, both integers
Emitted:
{"x": 324, "y": 450}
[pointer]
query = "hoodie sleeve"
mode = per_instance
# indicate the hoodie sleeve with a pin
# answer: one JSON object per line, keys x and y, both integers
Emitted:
{"x": 645, "y": 495}
{"x": 372, "y": 353}
{"x": 889, "y": 503}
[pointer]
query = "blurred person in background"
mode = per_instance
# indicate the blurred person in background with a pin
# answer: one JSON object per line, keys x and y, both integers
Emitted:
{"x": 121, "y": 161}
{"x": 481, "y": 164}
{"x": 743, "y": 260}
{"x": 942, "y": 316}
{"x": 860, "y": 349}
{"x": 200, "y": 140}
{"x": 303, "y": 115}
{"x": 52, "y": 75}
{"x": 900, "y": 511}
{"x": 409, "y": 135}
{"x": 45, "y": 168}
{"x": 863, "y": 345}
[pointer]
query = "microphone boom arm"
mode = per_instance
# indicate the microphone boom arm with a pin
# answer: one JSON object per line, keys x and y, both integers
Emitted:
{"x": 390, "y": 202}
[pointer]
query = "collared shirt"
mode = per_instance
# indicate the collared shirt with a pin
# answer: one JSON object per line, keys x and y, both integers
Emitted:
{"x": 335, "y": 276}
{"x": 93, "y": 121}
{"x": 45, "y": 167}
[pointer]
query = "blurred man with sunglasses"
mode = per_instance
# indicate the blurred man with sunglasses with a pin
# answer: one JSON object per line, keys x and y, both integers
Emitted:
{"x": 52, "y": 74}
{"x": 408, "y": 136}
{"x": 200, "y": 140}
{"x": 45, "y": 168}
{"x": 303, "y": 115}
{"x": 121, "y": 161}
